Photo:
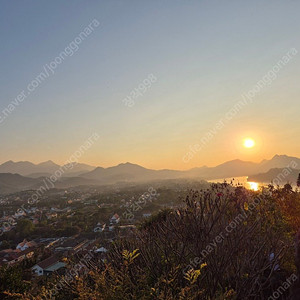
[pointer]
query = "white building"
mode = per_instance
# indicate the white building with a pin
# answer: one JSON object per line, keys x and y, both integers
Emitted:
{"x": 115, "y": 219}
{"x": 100, "y": 227}
{"x": 25, "y": 245}
{"x": 47, "y": 266}
{"x": 101, "y": 250}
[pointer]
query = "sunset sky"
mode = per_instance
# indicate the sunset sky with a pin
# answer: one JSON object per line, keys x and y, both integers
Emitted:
{"x": 203, "y": 54}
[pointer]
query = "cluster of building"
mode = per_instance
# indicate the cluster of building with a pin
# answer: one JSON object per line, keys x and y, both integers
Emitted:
{"x": 34, "y": 214}
{"x": 101, "y": 227}
{"x": 48, "y": 255}
{"x": 59, "y": 249}
{"x": 23, "y": 251}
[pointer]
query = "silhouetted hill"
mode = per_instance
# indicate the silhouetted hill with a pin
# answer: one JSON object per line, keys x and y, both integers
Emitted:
{"x": 26, "y": 168}
{"x": 277, "y": 175}
{"x": 128, "y": 172}
{"x": 21, "y": 167}
{"x": 238, "y": 167}
{"x": 229, "y": 169}
{"x": 278, "y": 161}
{"x": 10, "y": 183}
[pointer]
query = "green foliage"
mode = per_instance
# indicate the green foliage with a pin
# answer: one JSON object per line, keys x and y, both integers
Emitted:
{"x": 25, "y": 227}
{"x": 130, "y": 256}
{"x": 160, "y": 216}
{"x": 192, "y": 275}
{"x": 11, "y": 279}
{"x": 5, "y": 245}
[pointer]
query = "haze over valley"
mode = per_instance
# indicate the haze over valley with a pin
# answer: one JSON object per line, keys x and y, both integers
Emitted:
{"x": 18, "y": 176}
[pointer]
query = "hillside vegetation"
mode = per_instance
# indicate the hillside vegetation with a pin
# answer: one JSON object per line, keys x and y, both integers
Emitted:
{"x": 223, "y": 243}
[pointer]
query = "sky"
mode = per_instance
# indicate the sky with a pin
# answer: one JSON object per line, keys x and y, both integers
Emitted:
{"x": 201, "y": 57}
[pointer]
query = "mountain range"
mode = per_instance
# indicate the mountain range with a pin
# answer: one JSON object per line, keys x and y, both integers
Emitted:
{"x": 16, "y": 176}
{"x": 46, "y": 168}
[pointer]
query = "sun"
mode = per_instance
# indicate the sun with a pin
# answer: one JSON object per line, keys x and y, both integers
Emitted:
{"x": 249, "y": 143}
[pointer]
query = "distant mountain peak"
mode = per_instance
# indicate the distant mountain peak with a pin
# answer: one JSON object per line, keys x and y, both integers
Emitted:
{"x": 9, "y": 162}
{"x": 26, "y": 168}
{"x": 99, "y": 168}
{"x": 127, "y": 164}
{"x": 47, "y": 163}
{"x": 282, "y": 157}
{"x": 235, "y": 162}
{"x": 278, "y": 156}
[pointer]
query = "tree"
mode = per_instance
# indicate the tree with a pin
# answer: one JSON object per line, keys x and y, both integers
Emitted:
{"x": 11, "y": 279}
{"x": 25, "y": 227}
{"x": 287, "y": 188}
{"x": 4, "y": 245}
{"x": 70, "y": 230}
{"x": 298, "y": 181}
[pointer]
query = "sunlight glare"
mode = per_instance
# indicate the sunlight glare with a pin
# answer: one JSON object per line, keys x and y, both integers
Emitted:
{"x": 253, "y": 186}
{"x": 249, "y": 143}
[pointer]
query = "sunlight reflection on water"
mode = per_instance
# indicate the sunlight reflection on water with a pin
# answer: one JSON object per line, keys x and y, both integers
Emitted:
{"x": 251, "y": 185}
